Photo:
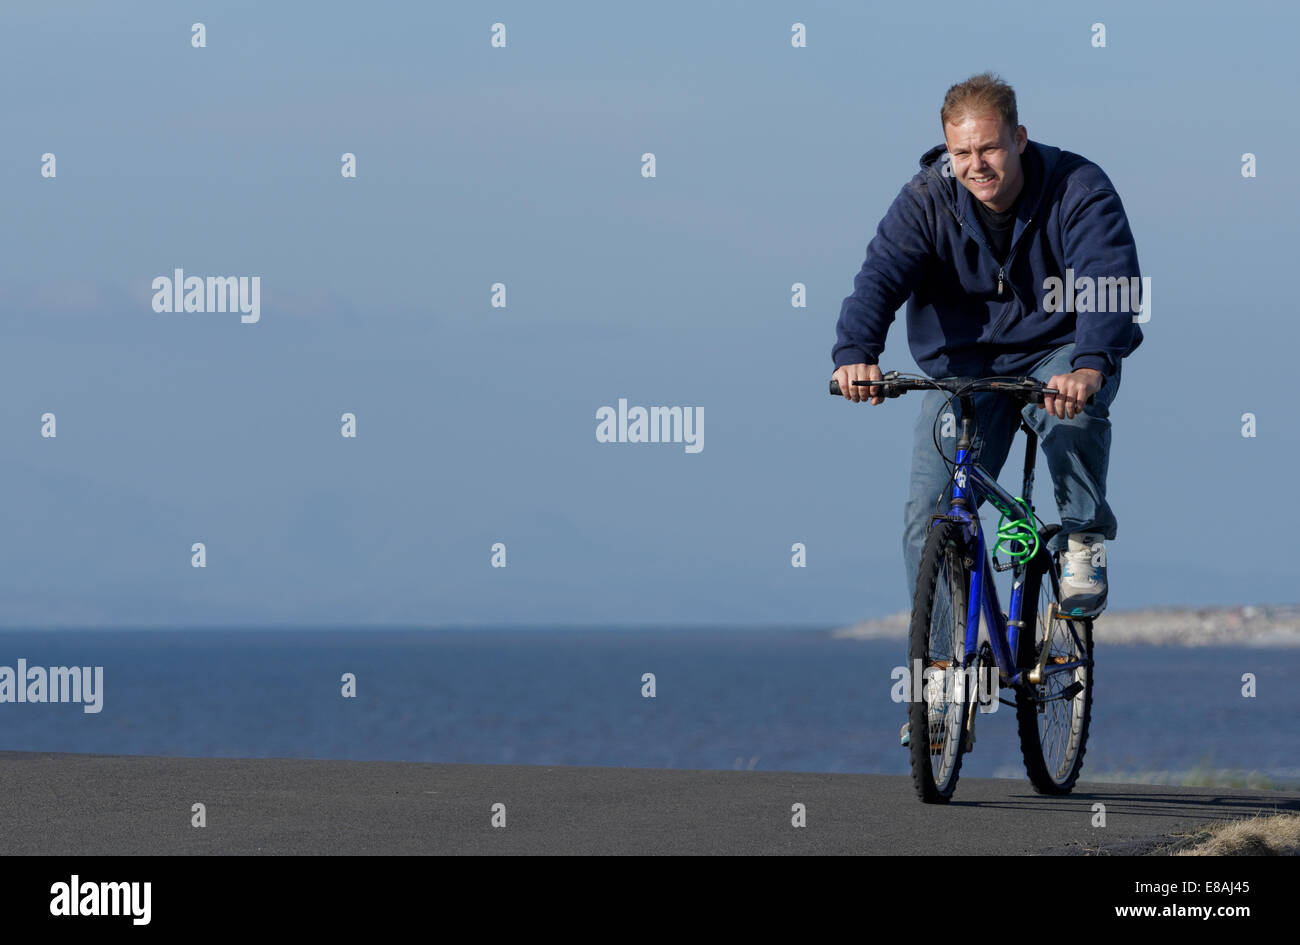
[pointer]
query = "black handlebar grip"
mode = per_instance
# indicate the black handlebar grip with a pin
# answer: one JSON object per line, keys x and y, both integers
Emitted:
{"x": 836, "y": 392}
{"x": 1039, "y": 398}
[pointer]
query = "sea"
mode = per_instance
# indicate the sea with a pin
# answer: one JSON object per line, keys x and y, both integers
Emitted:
{"x": 748, "y": 699}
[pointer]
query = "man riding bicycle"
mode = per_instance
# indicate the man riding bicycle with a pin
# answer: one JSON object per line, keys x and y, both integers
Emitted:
{"x": 1010, "y": 255}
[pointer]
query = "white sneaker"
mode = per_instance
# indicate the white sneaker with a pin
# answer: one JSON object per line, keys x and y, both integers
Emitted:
{"x": 1083, "y": 575}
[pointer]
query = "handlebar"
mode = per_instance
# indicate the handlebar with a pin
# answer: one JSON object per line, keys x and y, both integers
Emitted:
{"x": 1028, "y": 389}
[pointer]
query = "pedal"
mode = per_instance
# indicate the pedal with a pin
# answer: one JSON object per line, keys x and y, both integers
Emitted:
{"x": 988, "y": 684}
{"x": 1035, "y": 675}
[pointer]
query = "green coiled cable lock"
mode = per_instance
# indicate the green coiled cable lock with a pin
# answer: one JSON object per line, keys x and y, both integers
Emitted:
{"x": 1017, "y": 536}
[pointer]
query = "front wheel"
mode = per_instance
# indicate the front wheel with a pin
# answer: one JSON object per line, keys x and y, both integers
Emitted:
{"x": 938, "y": 712}
{"x": 1053, "y": 714}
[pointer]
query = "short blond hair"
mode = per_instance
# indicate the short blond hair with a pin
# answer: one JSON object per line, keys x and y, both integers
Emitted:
{"x": 979, "y": 93}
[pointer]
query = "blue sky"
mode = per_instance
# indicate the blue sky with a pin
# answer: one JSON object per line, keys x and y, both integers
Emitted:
{"x": 522, "y": 165}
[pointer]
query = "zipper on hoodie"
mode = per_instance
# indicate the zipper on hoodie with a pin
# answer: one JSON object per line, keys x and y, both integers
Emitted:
{"x": 1002, "y": 267}
{"x": 1007, "y": 314}
{"x": 1011, "y": 253}
{"x": 978, "y": 237}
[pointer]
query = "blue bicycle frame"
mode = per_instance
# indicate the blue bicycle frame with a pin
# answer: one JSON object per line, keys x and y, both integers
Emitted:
{"x": 970, "y": 485}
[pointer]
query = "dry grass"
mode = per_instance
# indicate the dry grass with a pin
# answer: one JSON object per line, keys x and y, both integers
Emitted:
{"x": 1273, "y": 835}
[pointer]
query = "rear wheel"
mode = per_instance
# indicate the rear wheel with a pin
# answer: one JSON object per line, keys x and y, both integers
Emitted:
{"x": 936, "y": 648}
{"x": 1053, "y": 714}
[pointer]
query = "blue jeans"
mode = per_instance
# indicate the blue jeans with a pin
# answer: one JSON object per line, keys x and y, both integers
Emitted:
{"x": 1077, "y": 452}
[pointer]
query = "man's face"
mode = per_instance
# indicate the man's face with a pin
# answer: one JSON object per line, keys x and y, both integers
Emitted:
{"x": 986, "y": 157}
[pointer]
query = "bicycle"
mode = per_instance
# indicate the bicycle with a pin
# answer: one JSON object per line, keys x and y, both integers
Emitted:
{"x": 1050, "y": 668}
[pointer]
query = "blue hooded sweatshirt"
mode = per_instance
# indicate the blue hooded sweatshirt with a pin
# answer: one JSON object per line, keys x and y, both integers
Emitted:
{"x": 968, "y": 315}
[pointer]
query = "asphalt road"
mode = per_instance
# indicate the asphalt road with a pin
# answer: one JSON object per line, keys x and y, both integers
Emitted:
{"x": 102, "y": 805}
